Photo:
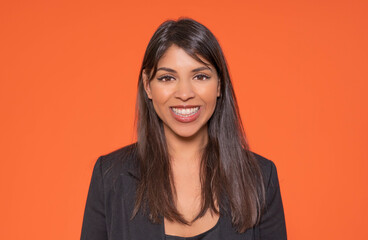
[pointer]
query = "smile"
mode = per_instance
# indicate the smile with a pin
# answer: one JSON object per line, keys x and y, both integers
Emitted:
{"x": 185, "y": 115}
{"x": 185, "y": 112}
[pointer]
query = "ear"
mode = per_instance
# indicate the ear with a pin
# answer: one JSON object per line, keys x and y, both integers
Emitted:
{"x": 147, "y": 88}
{"x": 219, "y": 88}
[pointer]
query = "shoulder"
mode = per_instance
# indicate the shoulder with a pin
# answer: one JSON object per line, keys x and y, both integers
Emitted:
{"x": 272, "y": 221}
{"x": 268, "y": 169}
{"x": 265, "y": 164}
{"x": 122, "y": 160}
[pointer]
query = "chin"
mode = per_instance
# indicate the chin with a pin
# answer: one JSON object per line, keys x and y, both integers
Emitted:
{"x": 185, "y": 134}
{"x": 188, "y": 133}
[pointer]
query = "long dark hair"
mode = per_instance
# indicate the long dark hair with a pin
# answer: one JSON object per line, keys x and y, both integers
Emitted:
{"x": 230, "y": 173}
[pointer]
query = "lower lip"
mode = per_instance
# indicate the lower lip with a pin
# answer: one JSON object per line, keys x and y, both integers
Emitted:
{"x": 185, "y": 119}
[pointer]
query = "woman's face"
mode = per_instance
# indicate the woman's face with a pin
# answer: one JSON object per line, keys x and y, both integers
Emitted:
{"x": 183, "y": 93}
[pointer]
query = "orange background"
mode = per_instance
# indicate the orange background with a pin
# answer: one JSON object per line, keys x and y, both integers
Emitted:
{"x": 69, "y": 72}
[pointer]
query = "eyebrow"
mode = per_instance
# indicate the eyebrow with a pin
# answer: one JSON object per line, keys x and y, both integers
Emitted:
{"x": 194, "y": 70}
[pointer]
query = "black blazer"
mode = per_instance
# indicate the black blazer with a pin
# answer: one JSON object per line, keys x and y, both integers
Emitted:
{"x": 111, "y": 196}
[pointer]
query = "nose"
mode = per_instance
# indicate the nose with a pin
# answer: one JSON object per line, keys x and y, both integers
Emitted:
{"x": 184, "y": 90}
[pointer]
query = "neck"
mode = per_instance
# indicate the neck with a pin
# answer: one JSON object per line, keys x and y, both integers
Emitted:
{"x": 186, "y": 150}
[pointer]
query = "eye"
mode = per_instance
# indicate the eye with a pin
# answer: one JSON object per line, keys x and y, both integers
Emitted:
{"x": 165, "y": 78}
{"x": 202, "y": 77}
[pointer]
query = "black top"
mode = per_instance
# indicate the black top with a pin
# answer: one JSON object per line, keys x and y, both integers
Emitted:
{"x": 111, "y": 197}
{"x": 212, "y": 234}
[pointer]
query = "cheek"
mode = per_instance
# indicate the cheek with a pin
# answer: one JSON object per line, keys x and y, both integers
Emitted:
{"x": 159, "y": 97}
{"x": 209, "y": 94}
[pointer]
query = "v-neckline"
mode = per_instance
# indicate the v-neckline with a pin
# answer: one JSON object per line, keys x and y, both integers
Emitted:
{"x": 195, "y": 236}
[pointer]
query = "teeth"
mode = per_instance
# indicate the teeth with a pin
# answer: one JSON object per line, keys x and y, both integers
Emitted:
{"x": 185, "y": 111}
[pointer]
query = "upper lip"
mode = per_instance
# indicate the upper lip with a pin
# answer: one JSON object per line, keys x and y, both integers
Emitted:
{"x": 185, "y": 106}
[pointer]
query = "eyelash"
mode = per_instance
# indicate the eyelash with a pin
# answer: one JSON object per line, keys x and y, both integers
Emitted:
{"x": 203, "y": 76}
{"x": 165, "y": 77}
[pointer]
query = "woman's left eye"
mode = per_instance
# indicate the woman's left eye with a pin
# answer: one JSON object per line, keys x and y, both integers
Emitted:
{"x": 202, "y": 77}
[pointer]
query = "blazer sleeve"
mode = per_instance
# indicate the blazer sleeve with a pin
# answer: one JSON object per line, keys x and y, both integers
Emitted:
{"x": 94, "y": 224}
{"x": 272, "y": 223}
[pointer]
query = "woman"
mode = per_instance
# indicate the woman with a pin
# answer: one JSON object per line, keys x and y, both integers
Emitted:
{"x": 191, "y": 174}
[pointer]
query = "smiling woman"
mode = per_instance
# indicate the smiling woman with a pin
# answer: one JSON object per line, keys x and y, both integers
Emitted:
{"x": 183, "y": 92}
{"x": 190, "y": 175}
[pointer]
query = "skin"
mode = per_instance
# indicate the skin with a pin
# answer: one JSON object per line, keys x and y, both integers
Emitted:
{"x": 182, "y": 80}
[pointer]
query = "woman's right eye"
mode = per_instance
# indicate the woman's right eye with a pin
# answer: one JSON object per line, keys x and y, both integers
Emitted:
{"x": 165, "y": 78}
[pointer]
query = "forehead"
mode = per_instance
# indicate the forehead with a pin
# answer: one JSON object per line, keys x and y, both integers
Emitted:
{"x": 178, "y": 57}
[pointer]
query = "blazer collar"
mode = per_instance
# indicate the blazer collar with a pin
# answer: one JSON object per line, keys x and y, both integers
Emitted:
{"x": 131, "y": 164}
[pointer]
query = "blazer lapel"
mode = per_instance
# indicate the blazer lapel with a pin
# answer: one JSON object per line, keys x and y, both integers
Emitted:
{"x": 139, "y": 228}
{"x": 228, "y": 232}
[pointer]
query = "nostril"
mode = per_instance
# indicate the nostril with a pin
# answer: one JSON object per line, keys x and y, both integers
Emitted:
{"x": 185, "y": 93}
